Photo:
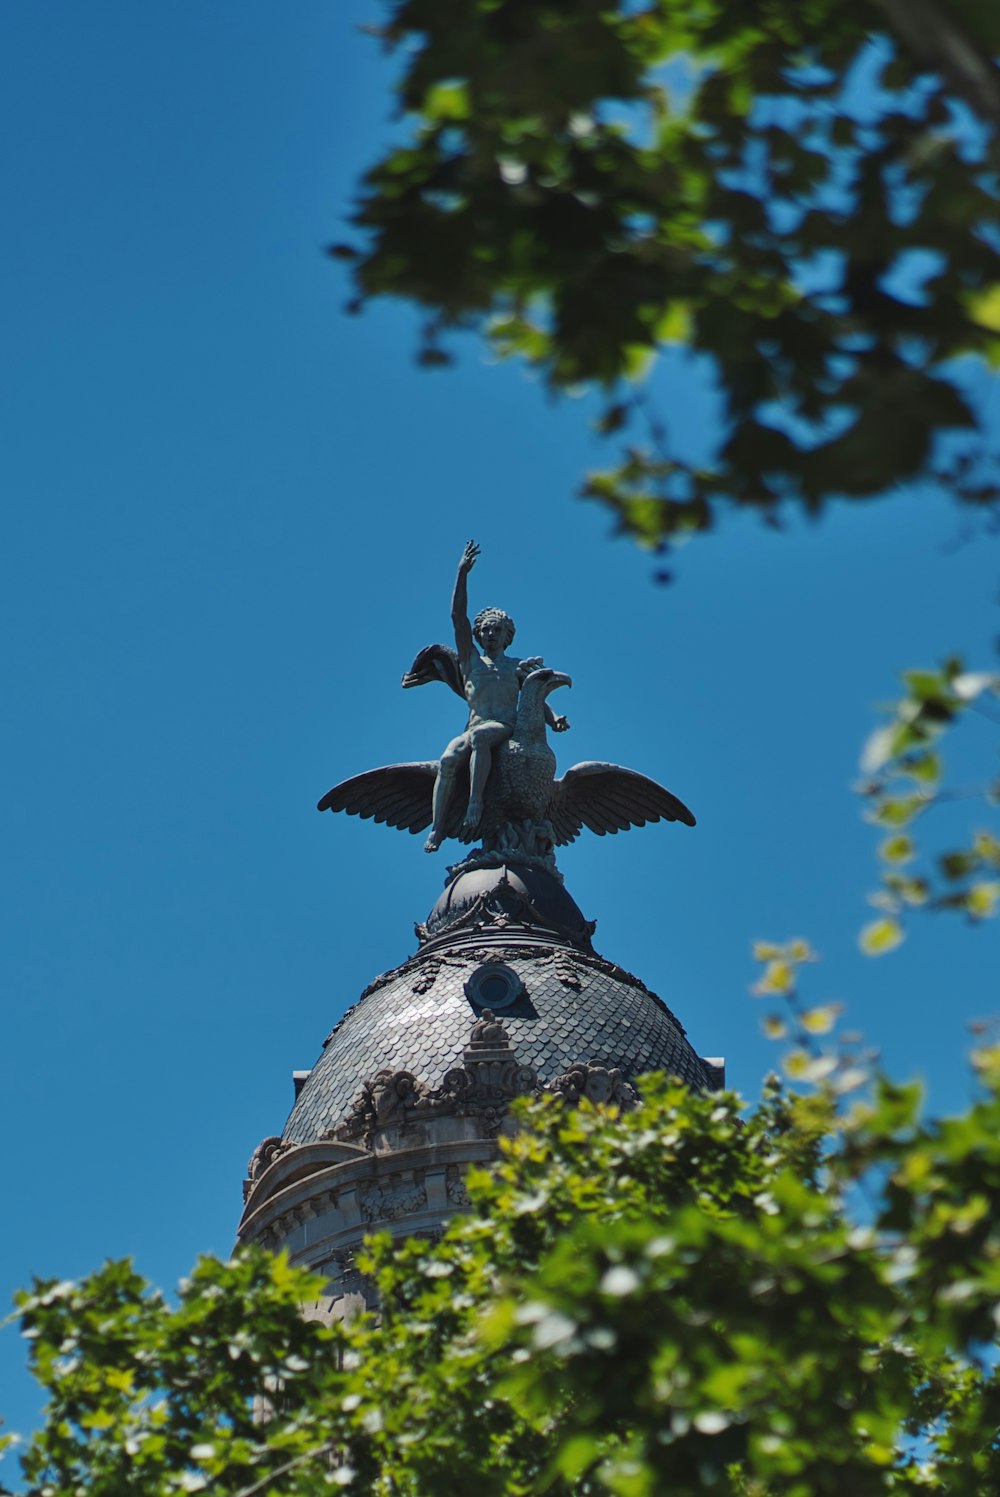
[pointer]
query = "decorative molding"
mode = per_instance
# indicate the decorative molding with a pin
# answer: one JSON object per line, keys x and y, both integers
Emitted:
{"x": 565, "y": 970}
{"x": 458, "y": 1195}
{"x": 501, "y": 907}
{"x": 389, "y": 1200}
{"x": 427, "y": 976}
{"x": 266, "y": 1152}
{"x": 482, "y": 1088}
{"x": 599, "y": 1084}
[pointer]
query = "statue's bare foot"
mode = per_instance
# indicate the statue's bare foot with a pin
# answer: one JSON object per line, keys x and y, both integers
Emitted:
{"x": 473, "y": 816}
{"x": 433, "y": 842}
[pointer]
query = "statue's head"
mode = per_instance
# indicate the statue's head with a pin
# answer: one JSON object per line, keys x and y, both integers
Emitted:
{"x": 493, "y": 629}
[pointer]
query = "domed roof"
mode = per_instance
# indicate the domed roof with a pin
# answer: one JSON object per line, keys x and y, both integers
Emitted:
{"x": 535, "y": 898}
{"x": 513, "y": 940}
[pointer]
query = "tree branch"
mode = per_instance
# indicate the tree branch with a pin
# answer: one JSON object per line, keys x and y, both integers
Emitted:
{"x": 944, "y": 48}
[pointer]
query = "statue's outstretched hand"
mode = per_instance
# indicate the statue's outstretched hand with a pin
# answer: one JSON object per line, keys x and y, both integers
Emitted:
{"x": 560, "y": 724}
{"x": 469, "y": 556}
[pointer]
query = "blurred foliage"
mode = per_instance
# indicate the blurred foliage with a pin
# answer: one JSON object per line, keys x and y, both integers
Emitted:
{"x": 904, "y": 767}
{"x": 799, "y": 1298}
{"x": 804, "y": 193}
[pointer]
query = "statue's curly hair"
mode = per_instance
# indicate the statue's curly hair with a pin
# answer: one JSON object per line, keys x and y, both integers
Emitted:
{"x": 492, "y": 613}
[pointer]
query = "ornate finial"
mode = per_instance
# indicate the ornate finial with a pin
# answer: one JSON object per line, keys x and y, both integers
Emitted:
{"x": 497, "y": 780}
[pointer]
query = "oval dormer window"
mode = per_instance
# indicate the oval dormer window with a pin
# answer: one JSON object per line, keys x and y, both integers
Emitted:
{"x": 493, "y": 985}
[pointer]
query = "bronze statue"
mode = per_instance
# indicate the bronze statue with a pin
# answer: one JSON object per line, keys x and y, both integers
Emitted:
{"x": 496, "y": 780}
{"x": 489, "y": 680}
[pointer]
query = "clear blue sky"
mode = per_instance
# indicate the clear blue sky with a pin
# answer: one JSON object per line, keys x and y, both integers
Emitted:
{"x": 231, "y": 516}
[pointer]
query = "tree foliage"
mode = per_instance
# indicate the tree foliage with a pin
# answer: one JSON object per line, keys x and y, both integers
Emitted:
{"x": 799, "y": 1298}
{"x": 802, "y": 192}
{"x": 904, "y": 768}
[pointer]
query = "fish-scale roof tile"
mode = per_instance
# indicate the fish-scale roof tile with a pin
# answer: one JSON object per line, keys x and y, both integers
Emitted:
{"x": 579, "y": 1008}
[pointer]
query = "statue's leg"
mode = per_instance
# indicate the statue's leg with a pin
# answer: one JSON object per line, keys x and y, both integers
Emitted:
{"x": 484, "y": 739}
{"x": 444, "y": 784}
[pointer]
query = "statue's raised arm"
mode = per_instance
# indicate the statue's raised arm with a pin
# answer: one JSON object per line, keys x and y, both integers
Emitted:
{"x": 441, "y": 662}
{"x": 464, "y": 642}
{"x": 490, "y": 685}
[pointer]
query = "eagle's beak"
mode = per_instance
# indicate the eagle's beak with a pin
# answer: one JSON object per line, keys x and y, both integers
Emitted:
{"x": 558, "y": 679}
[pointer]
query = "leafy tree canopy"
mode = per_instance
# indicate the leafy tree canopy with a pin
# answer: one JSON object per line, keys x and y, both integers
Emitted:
{"x": 797, "y": 1299}
{"x": 805, "y": 192}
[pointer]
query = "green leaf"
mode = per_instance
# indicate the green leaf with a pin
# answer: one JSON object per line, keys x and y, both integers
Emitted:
{"x": 447, "y": 101}
{"x": 987, "y": 847}
{"x": 778, "y": 977}
{"x": 984, "y": 308}
{"x": 899, "y": 849}
{"x": 898, "y": 811}
{"x": 925, "y": 768}
{"x": 576, "y": 1456}
{"x": 822, "y": 1019}
{"x": 880, "y": 937}
{"x": 676, "y": 323}
{"x": 981, "y": 899}
{"x": 927, "y": 686}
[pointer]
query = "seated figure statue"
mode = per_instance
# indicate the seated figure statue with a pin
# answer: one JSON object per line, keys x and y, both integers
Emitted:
{"x": 490, "y": 681}
{"x": 524, "y": 812}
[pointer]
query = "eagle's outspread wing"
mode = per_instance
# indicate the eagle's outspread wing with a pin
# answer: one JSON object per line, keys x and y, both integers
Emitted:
{"x": 399, "y": 794}
{"x": 436, "y": 663}
{"x": 607, "y": 798}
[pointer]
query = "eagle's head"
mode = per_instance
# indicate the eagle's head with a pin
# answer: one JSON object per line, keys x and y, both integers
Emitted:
{"x": 540, "y": 683}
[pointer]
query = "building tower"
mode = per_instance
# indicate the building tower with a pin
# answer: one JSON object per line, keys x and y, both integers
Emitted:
{"x": 504, "y": 996}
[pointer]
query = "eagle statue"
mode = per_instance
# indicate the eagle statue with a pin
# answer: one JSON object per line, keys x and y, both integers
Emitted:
{"x": 527, "y": 812}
